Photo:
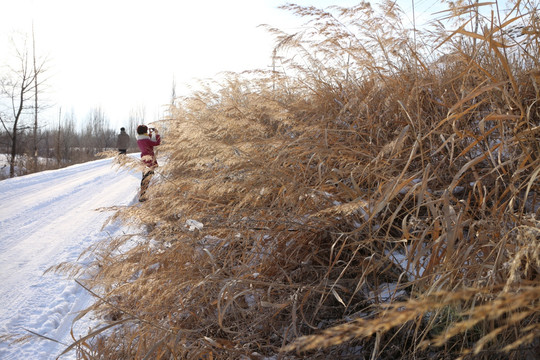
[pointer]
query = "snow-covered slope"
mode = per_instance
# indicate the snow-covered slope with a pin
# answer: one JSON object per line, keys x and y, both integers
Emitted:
{"x": 45, "y": 219}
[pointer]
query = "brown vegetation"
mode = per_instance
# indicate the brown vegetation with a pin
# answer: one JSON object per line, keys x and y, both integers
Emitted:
{"x": 374, "y": 198}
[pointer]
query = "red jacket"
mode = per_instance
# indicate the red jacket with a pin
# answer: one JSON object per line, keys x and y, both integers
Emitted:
{"x": 146, "y": 145}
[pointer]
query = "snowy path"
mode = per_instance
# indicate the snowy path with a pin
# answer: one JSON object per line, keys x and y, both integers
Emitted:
{"x": 45, "y": 219}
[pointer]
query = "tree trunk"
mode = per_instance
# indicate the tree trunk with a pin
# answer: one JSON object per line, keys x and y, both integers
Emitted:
{"x": 13, "y": 151}
{"x": 14, "y": 135}
{"x": 35, "y": 152}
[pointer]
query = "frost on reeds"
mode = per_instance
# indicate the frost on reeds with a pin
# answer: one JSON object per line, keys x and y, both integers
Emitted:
{"x": 374, "y": 196}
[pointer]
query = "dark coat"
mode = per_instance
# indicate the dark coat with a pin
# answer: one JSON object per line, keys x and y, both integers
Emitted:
{"x": 122, "y": 143}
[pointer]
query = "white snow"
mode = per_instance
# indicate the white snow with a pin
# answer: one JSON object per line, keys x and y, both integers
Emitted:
{"x": 194, "y": 224}
{"x": 45, "y": 219}
{"x": 386, "y": 292}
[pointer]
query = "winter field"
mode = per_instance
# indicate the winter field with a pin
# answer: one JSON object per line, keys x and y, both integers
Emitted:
{"x": 48, "y": 218}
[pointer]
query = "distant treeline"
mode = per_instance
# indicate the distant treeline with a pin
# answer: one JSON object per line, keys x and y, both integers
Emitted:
{"x": 62, "y": 145}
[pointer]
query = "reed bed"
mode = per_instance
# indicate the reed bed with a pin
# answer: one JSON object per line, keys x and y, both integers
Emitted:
{"x": 374, "y": 197}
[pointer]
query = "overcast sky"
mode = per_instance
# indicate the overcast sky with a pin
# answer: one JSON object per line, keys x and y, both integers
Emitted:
{"x": 124, "y": 54}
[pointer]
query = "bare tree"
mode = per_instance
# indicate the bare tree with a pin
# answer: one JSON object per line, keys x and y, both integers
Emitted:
{"x": 17, "y": 88}
{"x": 70, "y": 137}
{"x": 35, "y": 142}
{"x": 58, "y": 140}
{"x": 137, "y": 117}
{"x": 98, "y": 135}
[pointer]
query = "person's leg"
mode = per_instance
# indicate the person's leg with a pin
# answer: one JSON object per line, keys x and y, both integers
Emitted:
{"x": 147, "y": 176}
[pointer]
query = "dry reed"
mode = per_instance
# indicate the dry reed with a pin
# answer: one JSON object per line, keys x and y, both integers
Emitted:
{"x": 375, "y": 197}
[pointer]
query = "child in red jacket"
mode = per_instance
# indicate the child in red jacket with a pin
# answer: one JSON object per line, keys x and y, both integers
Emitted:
{"x": 146, "y": 140}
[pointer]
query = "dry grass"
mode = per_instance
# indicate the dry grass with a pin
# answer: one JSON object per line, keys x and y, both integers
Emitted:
{"x": 372, "y": 160}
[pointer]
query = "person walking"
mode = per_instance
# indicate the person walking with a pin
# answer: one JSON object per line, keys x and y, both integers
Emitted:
{"x": 146, "y": 140}
{"x": 122, "y": 142}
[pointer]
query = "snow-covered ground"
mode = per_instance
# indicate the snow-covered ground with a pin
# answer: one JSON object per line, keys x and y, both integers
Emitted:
{"x": 45, "y": 219}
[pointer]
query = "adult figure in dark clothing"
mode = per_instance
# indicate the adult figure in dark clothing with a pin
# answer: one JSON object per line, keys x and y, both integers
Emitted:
{"x": 122, "y": 143}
